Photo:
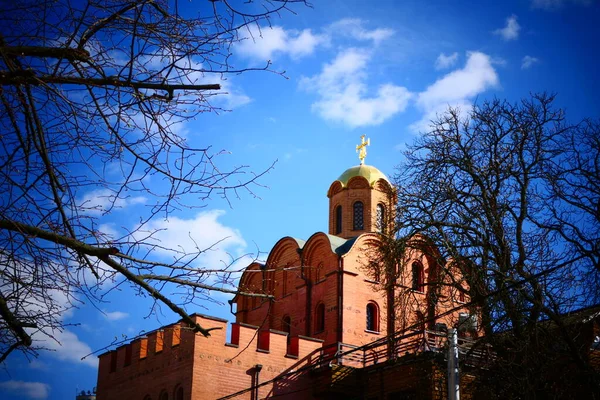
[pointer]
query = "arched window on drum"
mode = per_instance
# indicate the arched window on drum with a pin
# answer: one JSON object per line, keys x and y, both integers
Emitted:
{"x": 358, "y": 223}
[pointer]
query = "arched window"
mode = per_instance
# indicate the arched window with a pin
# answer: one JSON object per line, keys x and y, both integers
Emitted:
{"x": 338, "y": 220}
{"x": 320, "y": 318}
{"x": 358, "y": 223}
{"x": 163, "y": 395}
{"x": 380, "y": 221}
{"x": 418, "y": 277}
{"x": 178, "y": 393}
{"x": 372, "y": 317}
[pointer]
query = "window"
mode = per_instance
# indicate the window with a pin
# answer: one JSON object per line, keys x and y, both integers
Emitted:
{"x": 338, "y": 220}
{"x": 417, "y": 277}
{"x": 320, "y": 318}
{"x": 380, "y": 221}
{"x": 179, "y": 393}
{"x": 358, "y": 223}
{"x": 372, "y": 317}
{"x": 164, "y": 395}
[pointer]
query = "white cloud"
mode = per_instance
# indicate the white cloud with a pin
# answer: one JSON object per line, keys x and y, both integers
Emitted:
{"x": 353, "y": 27}
{"x": 102, "y": 200}
{"x": 37, "y": 364}
{"x": 401, "y": 147}
{"x": 511, "y": 30}
{"x": 551, "y": 5}
{"x": 107, "y": 231}
{"x": 456, "y": 88}
{"x": 446, "y": 61}
{"x": 32, "y": 390}
{"x": 476, "y": 76}
{"x": 29, "y": 282}
{"x": 202, "y": 232}
{"x": 233, "y": 97}
{"x": 66, "y": 346}
{"x": 265, "y": 43}
{"x": 192, "y": 72}
{"x": 528, "y": 61}
{"x": 230, "y": 95}
{"x": 50, "y": 303}
{"x": 222, "y": 247}
{"x": 115, "y": 315}
{"x": 499, "y": 61}
{"x": 343, "y": 96}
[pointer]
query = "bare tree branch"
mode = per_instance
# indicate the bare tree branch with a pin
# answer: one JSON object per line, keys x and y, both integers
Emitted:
{"x": 508, "y": 193}
{"x": 92, "y": 96}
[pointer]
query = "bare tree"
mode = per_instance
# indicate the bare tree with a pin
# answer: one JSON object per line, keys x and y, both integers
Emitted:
{"x": 92, "y": 93}
{"x": 573, "y": 202}
{"x": 478, "y": 186}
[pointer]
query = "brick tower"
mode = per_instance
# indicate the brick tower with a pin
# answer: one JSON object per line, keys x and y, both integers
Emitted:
{"x": 360, "y": 201}
{"x": 309, "y": 301}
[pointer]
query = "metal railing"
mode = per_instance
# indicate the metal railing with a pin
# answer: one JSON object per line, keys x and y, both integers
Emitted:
{"x": 397, "y": 346}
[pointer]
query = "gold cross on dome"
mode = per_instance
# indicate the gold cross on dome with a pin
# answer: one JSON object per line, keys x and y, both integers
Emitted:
{"x": 361, "y": 149}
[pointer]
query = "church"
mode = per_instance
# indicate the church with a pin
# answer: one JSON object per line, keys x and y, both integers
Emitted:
{"x": 318, "y": 319}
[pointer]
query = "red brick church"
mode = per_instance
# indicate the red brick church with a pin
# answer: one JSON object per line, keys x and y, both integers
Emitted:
{"x": 326, "y": 318}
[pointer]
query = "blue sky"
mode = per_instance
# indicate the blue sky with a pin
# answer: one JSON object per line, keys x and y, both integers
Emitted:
{"x": 382, "y": 69}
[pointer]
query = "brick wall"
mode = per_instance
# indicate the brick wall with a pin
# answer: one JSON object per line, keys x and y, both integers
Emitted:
{"x": 311, "y": 275}
{"x": 138, "y": 369}
{"x": 207, "y": 367}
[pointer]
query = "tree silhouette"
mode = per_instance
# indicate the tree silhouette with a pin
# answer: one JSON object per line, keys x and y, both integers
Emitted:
{"x": 509, "y": 193}
{"x": 92, "y": 95}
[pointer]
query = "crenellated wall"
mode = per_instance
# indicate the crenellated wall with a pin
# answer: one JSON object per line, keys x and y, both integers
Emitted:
{"x": 175, "y": 360}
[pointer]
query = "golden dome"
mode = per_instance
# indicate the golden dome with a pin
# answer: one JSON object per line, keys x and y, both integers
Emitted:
{"x": 370, "y": 173}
